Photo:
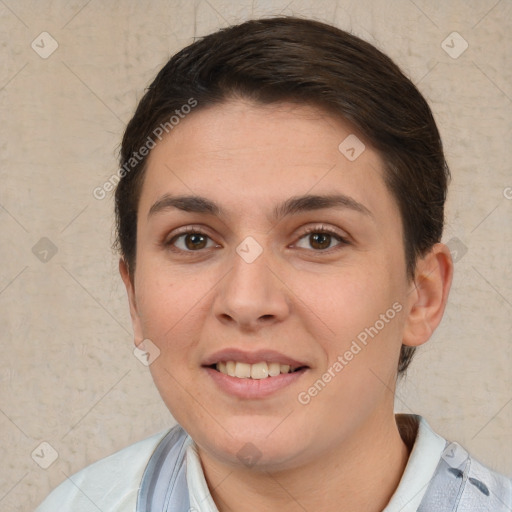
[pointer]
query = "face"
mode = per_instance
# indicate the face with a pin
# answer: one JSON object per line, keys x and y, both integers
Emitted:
{"x": 288, "y": 262}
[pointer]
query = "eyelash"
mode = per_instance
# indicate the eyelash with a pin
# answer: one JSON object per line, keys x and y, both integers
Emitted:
{"x": 320, "y": 229}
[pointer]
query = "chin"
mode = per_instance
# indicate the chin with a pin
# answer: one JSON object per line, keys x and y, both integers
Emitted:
{"x": 250, "y": 442}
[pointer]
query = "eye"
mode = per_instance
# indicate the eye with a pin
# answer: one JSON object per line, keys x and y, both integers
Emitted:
{"x": 320, "y": 238}
{"x": 190, "y": 240}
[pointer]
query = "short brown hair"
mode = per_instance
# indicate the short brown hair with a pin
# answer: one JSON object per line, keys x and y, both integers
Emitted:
{"x": 292, "y": 59}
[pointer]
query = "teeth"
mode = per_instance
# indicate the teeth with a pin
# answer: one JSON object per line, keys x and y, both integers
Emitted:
{"x": 274, "y": 369}
{"x": 260, "y": 370}
{"x": 230, "y": 368}
{"x": 242, "y": 370}
{"x": 285, "y": 368}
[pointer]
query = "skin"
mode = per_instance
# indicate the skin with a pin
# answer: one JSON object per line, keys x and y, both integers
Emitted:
{"x": 306, "y": 302}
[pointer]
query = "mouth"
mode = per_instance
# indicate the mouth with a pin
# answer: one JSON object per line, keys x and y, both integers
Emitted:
{"x": 258, "y": 371}
{"x": 253, "y": 375}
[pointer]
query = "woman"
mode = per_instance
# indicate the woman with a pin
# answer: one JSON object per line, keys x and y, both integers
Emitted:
{"x": 279, "y": 216}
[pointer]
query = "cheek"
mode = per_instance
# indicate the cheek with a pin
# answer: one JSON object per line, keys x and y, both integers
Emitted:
{"x": 172, "y": 312}
{"x": 352, "y": 299}
{"x": 170, "y": 306}
{"x": 366, "y": 312}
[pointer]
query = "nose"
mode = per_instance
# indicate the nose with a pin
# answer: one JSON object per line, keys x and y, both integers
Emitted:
{"x": 251, "y": 295}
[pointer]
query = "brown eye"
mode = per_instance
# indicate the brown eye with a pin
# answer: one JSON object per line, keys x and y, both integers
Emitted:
{"x": 191, "y": 242}
{"x": 320, "y": 240}
{"x": 195, "y": 241}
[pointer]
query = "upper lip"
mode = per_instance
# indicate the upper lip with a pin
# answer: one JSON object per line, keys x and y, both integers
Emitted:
{"x": 244, "y": 356}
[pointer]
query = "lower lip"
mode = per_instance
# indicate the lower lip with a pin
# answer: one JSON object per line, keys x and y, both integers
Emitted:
{"x": 253, "y": 388}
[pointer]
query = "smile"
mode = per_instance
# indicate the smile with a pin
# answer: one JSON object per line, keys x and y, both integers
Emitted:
{"x": 256, "y": 374}
{"x": 260, "y": 370}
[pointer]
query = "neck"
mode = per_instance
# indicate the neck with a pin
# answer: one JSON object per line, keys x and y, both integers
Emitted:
{"x": 360, "y": 474}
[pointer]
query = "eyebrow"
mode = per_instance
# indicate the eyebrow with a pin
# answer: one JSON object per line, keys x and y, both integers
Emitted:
{"x": 292, "y": 206}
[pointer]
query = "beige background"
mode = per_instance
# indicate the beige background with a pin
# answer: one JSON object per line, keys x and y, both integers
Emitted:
{"x": 67, "y": 372}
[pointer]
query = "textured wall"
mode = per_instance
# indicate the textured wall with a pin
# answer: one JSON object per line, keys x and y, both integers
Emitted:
{"x": 68, "y": 376}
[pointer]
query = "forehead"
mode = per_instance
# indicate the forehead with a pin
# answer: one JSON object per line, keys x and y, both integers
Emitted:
{"x": 252, "y": 155}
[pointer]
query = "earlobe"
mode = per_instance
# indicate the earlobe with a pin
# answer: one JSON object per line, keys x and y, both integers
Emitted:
{"x": 428, "y": 295}
{"x": 130, "y": 291}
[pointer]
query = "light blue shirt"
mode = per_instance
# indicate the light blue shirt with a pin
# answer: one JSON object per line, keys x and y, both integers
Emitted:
{"x": 163, "y": 474}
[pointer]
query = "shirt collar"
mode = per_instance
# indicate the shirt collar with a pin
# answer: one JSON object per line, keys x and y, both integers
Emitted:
{"x": 427, "y": 447}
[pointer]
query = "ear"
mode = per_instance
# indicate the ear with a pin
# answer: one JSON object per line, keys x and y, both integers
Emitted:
{"x": 428, "y": 295}
{"x": 130, "y": 290}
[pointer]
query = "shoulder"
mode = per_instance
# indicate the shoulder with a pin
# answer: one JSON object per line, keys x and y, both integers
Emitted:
{"x": 443, "y": 477}
{"x": 464, "y": 484}
{"x": 109, "y": 484}
{"x": 485, "y": 487}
